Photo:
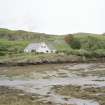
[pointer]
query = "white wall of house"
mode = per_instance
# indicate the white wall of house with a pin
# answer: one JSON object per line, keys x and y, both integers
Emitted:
{"x": 26, "y": 50}
{"x": 43, "y": 48}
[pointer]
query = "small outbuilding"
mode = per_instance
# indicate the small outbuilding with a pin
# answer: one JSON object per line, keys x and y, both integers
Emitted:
{"x": 39, "y": 47}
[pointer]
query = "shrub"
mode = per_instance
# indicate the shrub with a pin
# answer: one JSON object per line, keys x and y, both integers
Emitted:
{"x": 92, "y": 43}
{"x": 99, "y": 53}
{"x": 73, "y": 42}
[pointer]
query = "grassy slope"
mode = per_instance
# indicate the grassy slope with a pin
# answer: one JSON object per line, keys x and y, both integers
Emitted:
{"x": 22, "y": 38}
{"x": 16, "y": 41}
{"x": 26, "y": 36}
{"x": 84, "y": 35}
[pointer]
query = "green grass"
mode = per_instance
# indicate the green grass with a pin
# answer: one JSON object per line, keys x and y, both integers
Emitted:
{"x": 33, "y": 58}
{"x": 14, "y": 42}
{"x": 12, "y": 47}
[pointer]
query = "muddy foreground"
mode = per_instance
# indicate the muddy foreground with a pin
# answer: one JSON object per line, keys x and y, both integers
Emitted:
{"x": 55, "y": 84}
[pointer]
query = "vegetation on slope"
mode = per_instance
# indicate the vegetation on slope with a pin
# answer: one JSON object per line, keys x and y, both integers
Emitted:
{"x": 86, "y": 45}
{"x": 12, "y": 43}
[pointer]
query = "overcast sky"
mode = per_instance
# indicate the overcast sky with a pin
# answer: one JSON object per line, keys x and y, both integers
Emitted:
{"x": 53, "y": 16}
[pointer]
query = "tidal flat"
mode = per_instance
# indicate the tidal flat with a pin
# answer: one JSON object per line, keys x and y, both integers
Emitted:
{"x": 53, "y": 84}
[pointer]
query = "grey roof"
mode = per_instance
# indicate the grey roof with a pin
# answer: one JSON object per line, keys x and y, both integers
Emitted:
{"x": 37, "y": 45}
{"x": 51, "y": 45}
{"x": 33, "y": 46}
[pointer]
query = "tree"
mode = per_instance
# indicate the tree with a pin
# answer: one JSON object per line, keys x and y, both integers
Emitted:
{"x": 72, "y": 41}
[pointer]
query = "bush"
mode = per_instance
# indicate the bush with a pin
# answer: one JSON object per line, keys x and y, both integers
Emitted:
{"x": 80, "y": 52}
{"x": 99, "y": 53}
{"x": 92, "y": 43}
{"x": 73, "y": 42}
{"x": 83, "y": 52}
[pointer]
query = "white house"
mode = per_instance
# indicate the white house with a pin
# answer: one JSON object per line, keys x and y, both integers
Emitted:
{"x": 39, "y": 47}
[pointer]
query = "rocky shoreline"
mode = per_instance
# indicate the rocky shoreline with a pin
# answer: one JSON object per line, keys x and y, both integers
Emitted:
{"x": 77, "y": 59}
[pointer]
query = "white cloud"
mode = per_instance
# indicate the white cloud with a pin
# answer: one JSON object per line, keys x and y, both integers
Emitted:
{"x": 53, "y": 16}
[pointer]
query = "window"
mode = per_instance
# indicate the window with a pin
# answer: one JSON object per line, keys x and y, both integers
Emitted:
{"x": 33, "y": 50}
{"x": 43, "y": 46}
{"x": 47, "y": 51}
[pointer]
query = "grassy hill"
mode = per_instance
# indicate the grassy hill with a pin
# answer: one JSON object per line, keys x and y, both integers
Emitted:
{"x": 25, "y": 35}
{"x": 14, "y": 42}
